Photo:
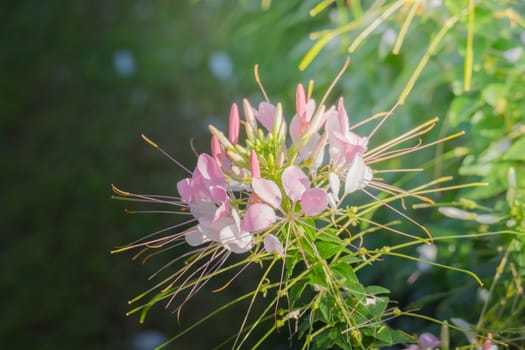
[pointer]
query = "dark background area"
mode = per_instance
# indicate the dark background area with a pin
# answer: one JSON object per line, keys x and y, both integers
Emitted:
{"x": 79, "y": 82}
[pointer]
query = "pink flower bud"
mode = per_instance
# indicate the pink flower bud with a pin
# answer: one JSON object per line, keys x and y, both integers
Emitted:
{"x": 216, "y": 151}
{"x": 233, "y": 134}
{"x": 254, "y": 164}
{"x": 300, "y": 101}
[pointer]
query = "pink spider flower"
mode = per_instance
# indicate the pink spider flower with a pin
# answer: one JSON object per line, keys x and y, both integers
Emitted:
{"x": 261, "y": 216}
{"x": 206, "y": 195}
{"x": 307, "y": 122}
{"x": 344, "y": 145}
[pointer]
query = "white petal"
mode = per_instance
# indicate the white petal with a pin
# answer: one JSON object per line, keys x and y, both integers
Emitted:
{"x": 235, "y": 240}
{"x": 273, "y": 245}
{"x": 195, "y": 237}
{"x": 356, "y": 175}
{"x": 335, "y": 184}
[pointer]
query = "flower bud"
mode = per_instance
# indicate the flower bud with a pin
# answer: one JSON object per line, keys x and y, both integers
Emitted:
{"x": 254, "y": 165}
{"x": 234, "y": 123}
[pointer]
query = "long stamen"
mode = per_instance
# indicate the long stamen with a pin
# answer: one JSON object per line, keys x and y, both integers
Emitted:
{"x": 417, "y": 131}
{"x": 336, "y": 79}
{"x": 154, "y": 145}
{"x": 427, "y": 232}
{"x": 258, "y": 81}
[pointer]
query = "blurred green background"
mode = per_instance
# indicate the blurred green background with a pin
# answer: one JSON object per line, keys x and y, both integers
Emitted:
{"x": 81, "y": 80}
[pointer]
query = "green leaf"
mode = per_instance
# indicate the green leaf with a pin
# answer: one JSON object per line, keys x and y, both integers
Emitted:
{"x": 377, "y": 290}
{"x": 344, "y": 271}
{"x": 378, "y": 306}
{"x": 328, "y": 249}
{"x": 391, "y": 337}
{"x": 317, "y": 276}
{"x": 516, "y": 151}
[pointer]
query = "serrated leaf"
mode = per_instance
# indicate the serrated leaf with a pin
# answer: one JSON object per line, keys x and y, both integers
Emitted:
{"x": 328, "y": 249}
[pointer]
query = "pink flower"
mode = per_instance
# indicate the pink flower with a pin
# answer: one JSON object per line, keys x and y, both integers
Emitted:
{"x": 308, "y": 120}
{"x": 297, "y": 186}
{"x": 344, "y": 144}
{"x": 305, "y": 111}
{"x": 206, "y": 195}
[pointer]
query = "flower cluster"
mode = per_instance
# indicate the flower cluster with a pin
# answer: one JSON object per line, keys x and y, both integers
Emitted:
{"x": 240, "y": 192}
{"x": 277, "y": 191}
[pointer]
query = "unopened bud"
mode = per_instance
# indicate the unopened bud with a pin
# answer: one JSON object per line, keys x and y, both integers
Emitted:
{"x": 220, "y": 136}
{"x": 254, "y": 165}
{"x": 235, "y": 157}
{"x": 234, "y": 123}
{"x": 300, "y": 101}
{"x": 486, "y": 219}
{"x": 216, "y": 151}
{"x": 456, "y": 213}
{"x": 251, "y": 122}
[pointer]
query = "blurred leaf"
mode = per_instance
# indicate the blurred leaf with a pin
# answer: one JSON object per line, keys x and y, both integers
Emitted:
{"x": 516, "y": 151}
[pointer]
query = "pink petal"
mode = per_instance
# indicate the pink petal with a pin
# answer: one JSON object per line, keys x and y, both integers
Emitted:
{"x": 295, "y": 182}
{"x": 342, "y": 117}
{"x": 203, "y": 209}
{"x": 314, "y": 201}
{"x": 185, "y": 191}
{"x": 258, "y": 217}
{"x": 209, "y": 169}
{"x": 308, "y": 149}
{"x": 295, "y": 128}
{"x": 273, "y": 245}
{"x": 428, "y": 341}
{"x": 302, "y": 122}
{"x": 218, "y": 194}
{"x": 222, "y": 211}
{"x": 267, "y": 191}
{"x": 266, "y": 115}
